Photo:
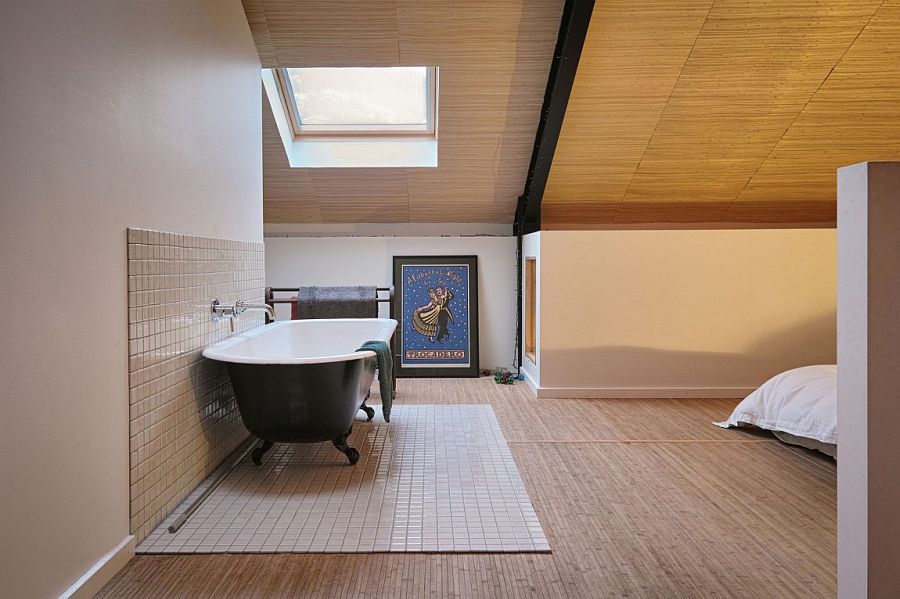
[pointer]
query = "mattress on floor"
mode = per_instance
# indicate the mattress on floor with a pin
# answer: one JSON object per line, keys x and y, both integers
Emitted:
{"x": 799, "y": 406}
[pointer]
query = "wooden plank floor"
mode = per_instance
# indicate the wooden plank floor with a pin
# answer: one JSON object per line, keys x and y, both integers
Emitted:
{"x": 639, "y": 498}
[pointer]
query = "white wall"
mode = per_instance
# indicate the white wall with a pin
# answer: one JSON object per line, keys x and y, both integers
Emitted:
{"x": 531, "y": 248}
{"x": 868, "y": 487}
{"x": 296, "y": 261}
{"x": 114, "y": 114}
{"x": 669, "y": 313}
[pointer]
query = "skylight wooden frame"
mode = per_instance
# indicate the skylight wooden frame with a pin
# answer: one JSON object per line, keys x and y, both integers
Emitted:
{"x": 285, "y": 90}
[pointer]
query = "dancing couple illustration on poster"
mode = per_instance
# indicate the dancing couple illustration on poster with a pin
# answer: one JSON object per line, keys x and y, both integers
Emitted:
{"x": 432, "y": 320}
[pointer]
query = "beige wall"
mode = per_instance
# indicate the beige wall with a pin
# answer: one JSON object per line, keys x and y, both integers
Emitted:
{"x": 670, "y": 313}
{"x": 114, "y": 114}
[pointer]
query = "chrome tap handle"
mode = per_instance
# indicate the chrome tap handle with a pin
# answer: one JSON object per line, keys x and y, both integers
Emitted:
{"x": 217, "y": 311}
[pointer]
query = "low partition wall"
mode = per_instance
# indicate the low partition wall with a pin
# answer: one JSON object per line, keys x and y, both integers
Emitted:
{"x": 681, "y": 313}
{"x": 183, "y": 417}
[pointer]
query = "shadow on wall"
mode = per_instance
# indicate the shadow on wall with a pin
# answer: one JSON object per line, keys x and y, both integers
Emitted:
{"x": 811, "y": 342}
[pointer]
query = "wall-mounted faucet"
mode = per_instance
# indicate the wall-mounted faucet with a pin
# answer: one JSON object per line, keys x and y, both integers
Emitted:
{"x": 241, "y": 306}
{"x": 218, "y": 311}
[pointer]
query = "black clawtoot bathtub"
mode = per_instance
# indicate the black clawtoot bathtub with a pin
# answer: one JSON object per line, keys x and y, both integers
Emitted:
{"x": 302, "y": 381}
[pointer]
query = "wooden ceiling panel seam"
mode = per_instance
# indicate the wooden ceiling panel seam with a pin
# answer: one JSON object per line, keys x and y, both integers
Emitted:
{"x": 858, "y": 88}
{"x": 668, "y": 100}
{"x": 751, "y": 95}
{"x": 806, "y": 105}
{"x": 764, "y": 133}
{"x": 852, "y": 119}
{"x": 632, "y": 52}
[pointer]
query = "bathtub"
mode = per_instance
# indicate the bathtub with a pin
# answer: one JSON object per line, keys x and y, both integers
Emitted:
{"x": 301, "y": 381}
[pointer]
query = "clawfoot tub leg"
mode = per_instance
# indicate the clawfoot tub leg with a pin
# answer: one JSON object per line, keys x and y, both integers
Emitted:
{"x": 370, "y": 413}
{"x": 341, "y": 444}
{"x": 257, "y": 453}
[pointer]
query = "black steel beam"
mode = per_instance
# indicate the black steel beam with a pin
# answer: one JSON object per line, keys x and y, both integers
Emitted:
{"x": 572, "y": 31}
{"x": 573, "y": 27}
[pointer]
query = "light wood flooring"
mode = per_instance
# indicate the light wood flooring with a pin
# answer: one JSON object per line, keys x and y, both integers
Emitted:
{"x": 638, "y": 498}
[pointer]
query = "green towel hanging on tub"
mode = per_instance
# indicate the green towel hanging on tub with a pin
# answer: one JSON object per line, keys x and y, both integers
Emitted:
{"x": 385, "y": 367}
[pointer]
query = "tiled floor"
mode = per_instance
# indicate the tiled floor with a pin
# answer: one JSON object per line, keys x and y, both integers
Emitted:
{"x": 438, "y": 478}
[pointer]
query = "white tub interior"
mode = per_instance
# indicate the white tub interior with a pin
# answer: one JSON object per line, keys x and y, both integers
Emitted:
{"x": 303, "y": 341}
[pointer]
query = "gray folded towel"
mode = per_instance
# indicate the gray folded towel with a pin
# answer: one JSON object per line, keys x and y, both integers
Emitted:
{"x": 337, "y": 302}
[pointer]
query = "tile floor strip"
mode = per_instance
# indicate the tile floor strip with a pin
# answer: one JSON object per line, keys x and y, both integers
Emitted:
{"x": 438, "y": 478}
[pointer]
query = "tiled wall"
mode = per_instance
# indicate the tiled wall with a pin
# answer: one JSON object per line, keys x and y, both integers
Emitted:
{"x": 183, "y": 417}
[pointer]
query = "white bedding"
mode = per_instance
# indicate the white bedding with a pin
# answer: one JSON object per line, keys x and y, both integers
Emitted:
{"x": 801, "y": 402}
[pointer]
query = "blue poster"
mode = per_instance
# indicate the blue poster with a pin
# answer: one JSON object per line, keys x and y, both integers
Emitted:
{"x": 435, "y": 313}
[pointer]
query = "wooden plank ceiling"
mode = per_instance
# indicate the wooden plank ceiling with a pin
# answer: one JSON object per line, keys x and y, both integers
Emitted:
{"x": 724, "y": 111}
{"x": 494, "y": 59}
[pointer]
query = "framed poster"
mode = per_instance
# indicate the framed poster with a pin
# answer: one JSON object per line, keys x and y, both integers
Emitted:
{"x": 436, "y": 304}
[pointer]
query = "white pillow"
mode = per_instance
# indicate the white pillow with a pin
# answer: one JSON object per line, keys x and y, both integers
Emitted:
{"x": 801, "y": 402}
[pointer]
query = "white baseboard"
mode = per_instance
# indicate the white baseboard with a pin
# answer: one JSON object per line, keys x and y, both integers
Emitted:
{"x": 642, "y": 392}
{"x": 102, "y": 572}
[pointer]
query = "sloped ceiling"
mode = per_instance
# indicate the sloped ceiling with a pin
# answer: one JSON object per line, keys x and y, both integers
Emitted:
{"x": 683, "y": 111}
{"x": 724, "y": 111}
{"x": 494, "y": 59}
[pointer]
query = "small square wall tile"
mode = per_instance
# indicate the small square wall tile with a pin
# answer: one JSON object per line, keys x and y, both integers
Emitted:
{"x": 183, "y": 419}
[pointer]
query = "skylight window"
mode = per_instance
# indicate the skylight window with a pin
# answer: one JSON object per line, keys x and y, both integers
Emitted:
{"x": 360, "y": 100}
{"x": 355, "y": 117}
